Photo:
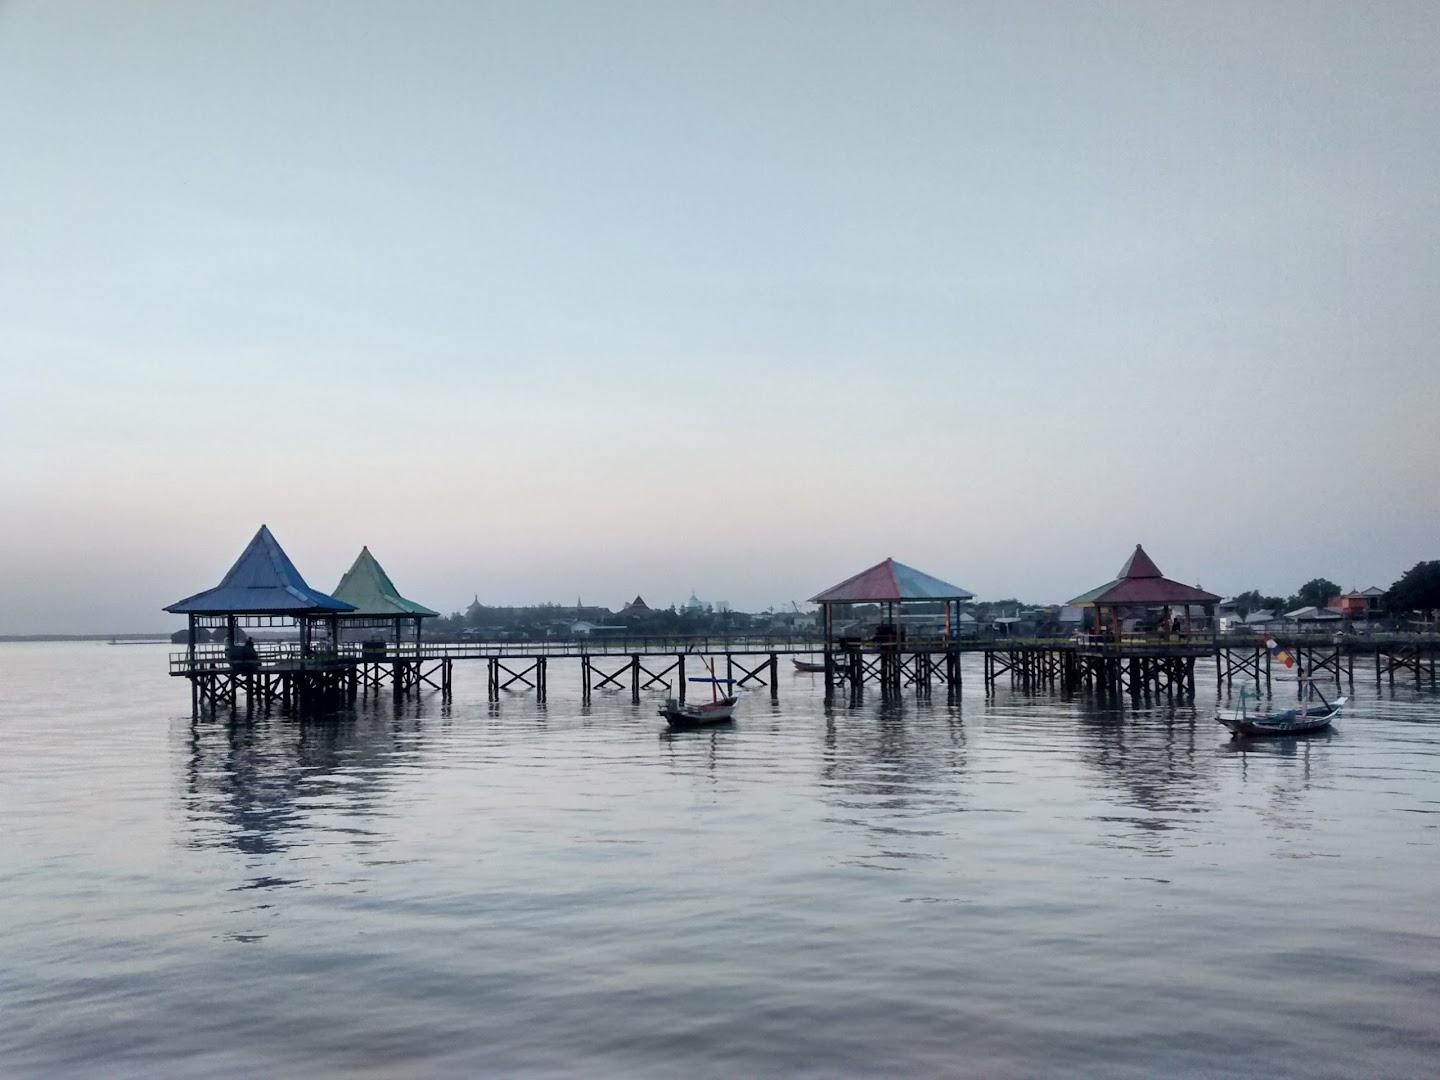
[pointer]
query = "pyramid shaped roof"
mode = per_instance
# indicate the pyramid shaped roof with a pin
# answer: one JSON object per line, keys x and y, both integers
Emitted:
{"x": 890, "y": 581}
{"x": 1141, "y": 583}
{"x": 636, "y": 607}
{"x": 369, "y": 589}
{"x": 263, "y": 581}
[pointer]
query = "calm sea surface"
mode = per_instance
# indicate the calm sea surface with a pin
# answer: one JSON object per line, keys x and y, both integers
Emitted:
{"x": 1006, "y": 887}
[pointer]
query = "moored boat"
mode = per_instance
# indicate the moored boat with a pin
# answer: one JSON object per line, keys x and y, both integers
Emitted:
{"x": 1289, "y": 722}
{"x": 719, "y": 711}
{"x": 1310, "y": 715}
{"x": 807, "y": 665}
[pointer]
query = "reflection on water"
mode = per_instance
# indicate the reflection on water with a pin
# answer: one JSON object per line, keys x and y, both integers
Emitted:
{"x": 261, "y": 785}
{"x": 1151, "y": 762}
{"x": 1009, "y": 885}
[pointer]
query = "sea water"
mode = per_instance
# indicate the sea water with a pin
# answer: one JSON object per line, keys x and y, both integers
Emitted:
{"x": 1008, "y": 885}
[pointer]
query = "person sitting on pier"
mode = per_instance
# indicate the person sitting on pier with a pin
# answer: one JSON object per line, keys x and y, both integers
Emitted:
{"x": 246, "y": 658}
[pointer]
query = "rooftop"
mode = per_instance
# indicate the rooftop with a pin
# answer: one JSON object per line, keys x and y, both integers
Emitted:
{"x": 890, "y": 581}
{"x": 263, "y": 581}
{"x": 369, "y": 589}
{"x": 1141, "y": 584}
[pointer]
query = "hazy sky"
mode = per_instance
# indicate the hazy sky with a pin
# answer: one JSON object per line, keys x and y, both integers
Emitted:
{"x": 543, "y": 300}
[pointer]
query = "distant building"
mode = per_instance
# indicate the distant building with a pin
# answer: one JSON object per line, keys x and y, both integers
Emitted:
{"x": 795, "y": 620}
{"x": 1358, "y": 603}
{"x": 636, "y": 609}
{"x": 1312, "y": 618}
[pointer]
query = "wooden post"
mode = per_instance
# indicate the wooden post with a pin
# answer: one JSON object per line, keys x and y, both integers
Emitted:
{"x": 635, "y": 679}
{"x": 774, "y": 678}
{"x": 680, "y": 677}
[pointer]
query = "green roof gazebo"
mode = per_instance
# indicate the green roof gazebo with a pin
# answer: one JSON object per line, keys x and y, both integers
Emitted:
{"x": 376, "y": 601}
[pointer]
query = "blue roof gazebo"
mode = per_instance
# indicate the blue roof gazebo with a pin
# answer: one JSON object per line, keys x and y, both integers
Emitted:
{"x": 262, "y": 588}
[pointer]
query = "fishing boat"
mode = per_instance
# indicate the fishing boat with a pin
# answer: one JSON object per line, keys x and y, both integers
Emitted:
{"x": 718, "y": 710}
{"x": 807, "y": 665}
{"x": 1311, "y": 715}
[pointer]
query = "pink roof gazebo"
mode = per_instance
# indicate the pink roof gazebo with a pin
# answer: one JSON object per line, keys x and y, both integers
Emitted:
{"x": 893, "y": 584}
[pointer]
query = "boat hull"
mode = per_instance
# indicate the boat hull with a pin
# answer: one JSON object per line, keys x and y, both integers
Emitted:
{"x": 711, "y": 712}
{"x": 1291, "y": 722}
{"x": 806, "y": 665}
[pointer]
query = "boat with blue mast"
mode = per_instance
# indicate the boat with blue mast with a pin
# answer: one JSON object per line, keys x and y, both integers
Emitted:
{"x": 718, "y": 710}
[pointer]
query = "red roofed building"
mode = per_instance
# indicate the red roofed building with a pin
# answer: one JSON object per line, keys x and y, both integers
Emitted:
{"x": 1140, "y": 585}
{"x": 892, "y": 584}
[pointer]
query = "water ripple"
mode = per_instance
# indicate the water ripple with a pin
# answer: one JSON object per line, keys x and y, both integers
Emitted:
{"x": 1004, "y": 886}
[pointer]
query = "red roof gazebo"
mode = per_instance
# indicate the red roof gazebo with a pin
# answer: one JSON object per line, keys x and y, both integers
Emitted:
{"x": 891, "y": 584}
{"x": 1141, "y": 585}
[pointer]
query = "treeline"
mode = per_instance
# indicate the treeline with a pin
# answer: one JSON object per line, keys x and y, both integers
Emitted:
{"x": 1417, "y": 591}
{"x": 539, "y": 621}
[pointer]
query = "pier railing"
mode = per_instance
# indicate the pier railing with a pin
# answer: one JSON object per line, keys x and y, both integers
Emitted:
{"x": 287, "y": 655}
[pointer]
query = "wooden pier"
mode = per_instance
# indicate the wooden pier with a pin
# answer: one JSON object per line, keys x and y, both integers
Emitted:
{"x": 322, "y": 671}
{"x": 1133, "y": 667}
{"x": 285, "y": 676}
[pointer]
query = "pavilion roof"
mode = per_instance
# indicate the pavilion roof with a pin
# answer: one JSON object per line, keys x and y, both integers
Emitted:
{"x": 263, "y": 581}
{"x": 890, "y": 581}
{"x": 369, "y": 589}
{"x": 1140, "y": 583}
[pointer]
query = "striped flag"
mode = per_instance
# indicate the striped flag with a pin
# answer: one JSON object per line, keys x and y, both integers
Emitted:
{"x": 1278, "y": 653}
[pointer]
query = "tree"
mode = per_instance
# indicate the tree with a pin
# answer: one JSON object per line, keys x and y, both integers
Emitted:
{"x": 1316, "y": 593}
{"x": 1254, "y": 600}
{"x": 1417, "y": 590}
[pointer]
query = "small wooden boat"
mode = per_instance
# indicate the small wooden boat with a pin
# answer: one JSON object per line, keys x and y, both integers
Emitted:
{"x": 719, "y": 711}
{"x": 807, "y": 665}
{"x": 1311, "y": 716}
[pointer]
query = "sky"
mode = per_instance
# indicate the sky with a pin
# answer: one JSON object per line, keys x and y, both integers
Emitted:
{"x": 555, "y": 300}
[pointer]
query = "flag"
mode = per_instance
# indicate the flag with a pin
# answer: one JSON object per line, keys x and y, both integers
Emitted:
{"x": 1278, "y": 653}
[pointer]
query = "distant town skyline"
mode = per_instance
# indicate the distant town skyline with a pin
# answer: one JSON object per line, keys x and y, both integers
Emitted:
{"x": 540, "y": 301}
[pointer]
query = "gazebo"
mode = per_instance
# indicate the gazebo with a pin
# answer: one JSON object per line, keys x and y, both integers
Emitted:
{"x": 375, "y": 600}
{"x": 263, "y": 588}
{"x": 892, "y": 585}
{"x": 1141, "y": 585}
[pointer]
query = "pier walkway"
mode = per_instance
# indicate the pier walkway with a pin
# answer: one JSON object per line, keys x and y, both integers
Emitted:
{"x": 1132, "y": 665}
